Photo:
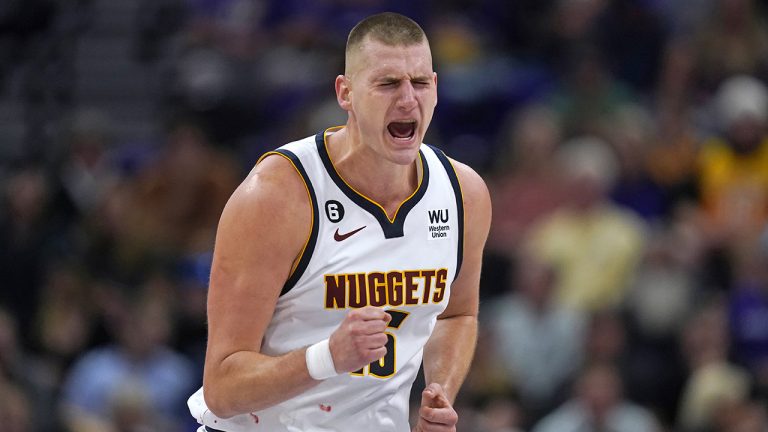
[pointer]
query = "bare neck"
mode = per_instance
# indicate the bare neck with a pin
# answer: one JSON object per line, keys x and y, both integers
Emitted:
{"x": 385, "y": 182}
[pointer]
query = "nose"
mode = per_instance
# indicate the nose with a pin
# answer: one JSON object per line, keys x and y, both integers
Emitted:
{"x": 406, "y": 98}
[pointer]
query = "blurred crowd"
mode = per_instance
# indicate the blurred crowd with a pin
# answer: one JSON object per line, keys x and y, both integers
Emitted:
{"x": 625, "y": 144}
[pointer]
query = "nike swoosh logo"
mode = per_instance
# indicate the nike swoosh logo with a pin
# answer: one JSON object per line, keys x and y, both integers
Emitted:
{"x": 341, "y": 237}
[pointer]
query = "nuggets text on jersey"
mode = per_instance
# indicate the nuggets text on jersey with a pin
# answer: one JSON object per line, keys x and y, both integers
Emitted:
{"x": 393, "y": 288}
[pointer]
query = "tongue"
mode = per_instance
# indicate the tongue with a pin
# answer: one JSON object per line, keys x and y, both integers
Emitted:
{"x": 401, "y": 130}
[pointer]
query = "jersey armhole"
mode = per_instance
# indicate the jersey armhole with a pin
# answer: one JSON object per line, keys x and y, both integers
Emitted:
{"x": 302, "y": 261}
{"x": 456, "y": 184}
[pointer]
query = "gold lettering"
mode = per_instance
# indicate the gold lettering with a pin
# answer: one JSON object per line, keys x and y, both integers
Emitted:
{"x": 428, "y": 275}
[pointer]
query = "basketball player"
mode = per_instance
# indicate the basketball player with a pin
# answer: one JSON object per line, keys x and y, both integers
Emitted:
{"x": 346, "y": 258}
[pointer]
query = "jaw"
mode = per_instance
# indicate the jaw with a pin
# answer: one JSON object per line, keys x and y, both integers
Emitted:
{"x": 402, "y": 151}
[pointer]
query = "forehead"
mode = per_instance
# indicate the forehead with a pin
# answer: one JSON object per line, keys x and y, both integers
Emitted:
{"x": 376, "y": 58}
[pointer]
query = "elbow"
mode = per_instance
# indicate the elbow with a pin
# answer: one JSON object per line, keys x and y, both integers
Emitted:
{"x": 218, "y": 404}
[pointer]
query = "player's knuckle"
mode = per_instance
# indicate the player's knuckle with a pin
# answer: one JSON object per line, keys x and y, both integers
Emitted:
{"x": 381, "y": 339}
{"x": 425, "y": 412}
{"x": 379, "y": 353}
{"x": 356, "y": 329}
{"x": 360, "y": 356}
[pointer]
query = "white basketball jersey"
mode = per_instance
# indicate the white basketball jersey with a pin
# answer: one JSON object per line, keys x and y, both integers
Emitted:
{"x": 357, "y": 256}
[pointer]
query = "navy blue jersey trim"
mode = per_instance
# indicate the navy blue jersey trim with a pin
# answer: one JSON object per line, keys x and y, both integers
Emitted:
{"x": 392, "y": 229}
{"x": 210, "y": 429}
{"x": 310, "y": 246}
{"x": 459, "y": 202}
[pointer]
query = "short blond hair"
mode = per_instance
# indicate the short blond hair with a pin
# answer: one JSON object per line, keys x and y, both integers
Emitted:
{"x": 388, "y": 28}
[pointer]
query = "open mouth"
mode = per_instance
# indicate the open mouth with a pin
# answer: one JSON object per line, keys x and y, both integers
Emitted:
{"x": 403, "y": 130}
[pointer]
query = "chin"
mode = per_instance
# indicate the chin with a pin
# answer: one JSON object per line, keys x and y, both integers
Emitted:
{"x": 404, "y": 156}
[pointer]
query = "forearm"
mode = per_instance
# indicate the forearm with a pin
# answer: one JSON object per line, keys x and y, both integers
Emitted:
{"x": 249, "y": 381}
{"x": 449, "y": 352}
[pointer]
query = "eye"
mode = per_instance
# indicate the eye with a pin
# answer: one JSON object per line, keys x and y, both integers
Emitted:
{"x": 421, "y": 83}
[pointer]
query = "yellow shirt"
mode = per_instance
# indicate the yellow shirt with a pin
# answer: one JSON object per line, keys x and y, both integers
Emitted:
{"x": 595, "y": 254}
{"x": 734, "y": 187}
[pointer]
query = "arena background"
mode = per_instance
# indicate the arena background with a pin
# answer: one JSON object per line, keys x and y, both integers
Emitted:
{"x": 624, "y": 143}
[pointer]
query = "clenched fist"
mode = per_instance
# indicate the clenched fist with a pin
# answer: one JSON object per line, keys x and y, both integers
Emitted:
{"x": 360, "y": 339}
{"x": 436, "y": 413}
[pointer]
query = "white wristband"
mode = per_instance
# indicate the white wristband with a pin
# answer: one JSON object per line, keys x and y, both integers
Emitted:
{"x": 320, "y": 361}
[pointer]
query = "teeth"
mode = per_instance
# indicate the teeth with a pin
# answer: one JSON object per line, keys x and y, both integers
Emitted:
{"x": 398, "y": 127}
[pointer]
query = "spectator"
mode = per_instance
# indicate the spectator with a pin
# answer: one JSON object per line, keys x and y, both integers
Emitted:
{"x": 539, "y": 340}
{"x": 65, "y": 317}
{"x": 175, "y": 203}
{"x": 137, "y": 376}
{"x": 748, "y": 314}
{"x": 27, "y": 383}
{"x": 726, "y": 38}
{"x": 714, "y": 384}
{"x": 27, "y": 232}
{"x": 597, "y": 405}
{"x": 588, "y": 96}
{"x": 733, "y": 176}
{"x": 631, "y": 134}
{"x": 662, "y": 293}
{"x": 87, "y": 169}
{"x": 671, "y": 157}
{"x": 651, "y": 376}
{"x": 525, "y": 186}
{"x": 593, "y": 245}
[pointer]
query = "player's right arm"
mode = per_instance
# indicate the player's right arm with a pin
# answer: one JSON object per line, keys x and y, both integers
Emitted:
{"x": 261, "y": 234}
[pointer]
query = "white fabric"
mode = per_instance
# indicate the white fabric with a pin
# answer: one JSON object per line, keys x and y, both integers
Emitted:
{"x": 320, "y": 361}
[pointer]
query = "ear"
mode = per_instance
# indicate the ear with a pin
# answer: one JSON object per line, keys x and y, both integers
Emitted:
{"x": 434, "y": 78}
{"x": 343, "y": 91}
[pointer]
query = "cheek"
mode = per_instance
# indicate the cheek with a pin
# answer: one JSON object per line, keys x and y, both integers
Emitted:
{"x": 428, "y": 110}
{"x": 371, "y": 112}
{"x": 429, "y": 102}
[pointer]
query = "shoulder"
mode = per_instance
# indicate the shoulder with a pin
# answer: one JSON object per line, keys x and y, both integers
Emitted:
{"x": 271, "y": 206}
{"x": 472, "y": 185}
{"x": 274, "y": 181}
{"x": 277, "y": 175}
{"x": 474, "y": 191}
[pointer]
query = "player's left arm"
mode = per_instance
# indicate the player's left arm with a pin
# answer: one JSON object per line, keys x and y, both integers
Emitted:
{"x": 449, "y": 351}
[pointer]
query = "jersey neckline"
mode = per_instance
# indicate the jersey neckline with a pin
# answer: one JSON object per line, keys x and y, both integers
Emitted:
{"x": 393, "y": 227}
